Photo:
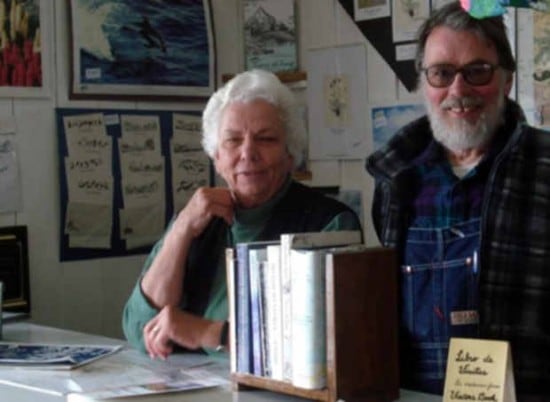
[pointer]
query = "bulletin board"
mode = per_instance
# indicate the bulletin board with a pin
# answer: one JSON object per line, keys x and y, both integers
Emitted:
{"x": 122, "y": 176}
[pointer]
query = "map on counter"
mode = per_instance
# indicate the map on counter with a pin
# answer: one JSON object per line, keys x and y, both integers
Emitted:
{"x": 52, "y": 356}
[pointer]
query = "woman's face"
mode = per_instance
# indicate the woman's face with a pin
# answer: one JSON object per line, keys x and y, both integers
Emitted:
{"x": 252, "y": 155}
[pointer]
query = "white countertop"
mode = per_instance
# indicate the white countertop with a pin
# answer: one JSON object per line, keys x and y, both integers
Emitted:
{"x": 31, "y": 333}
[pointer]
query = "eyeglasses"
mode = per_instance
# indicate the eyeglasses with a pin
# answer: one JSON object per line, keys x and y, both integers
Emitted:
{"x": 443, "y": 75}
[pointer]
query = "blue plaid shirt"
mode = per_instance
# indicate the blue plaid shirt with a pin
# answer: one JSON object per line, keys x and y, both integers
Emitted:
{"x": 442, "y": 199}
{"x": 515, "y": 228}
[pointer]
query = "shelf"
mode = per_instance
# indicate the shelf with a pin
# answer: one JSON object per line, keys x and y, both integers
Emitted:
{"x": 285, "y": 76}
{"x": 248, "y": 381}
{"x": 362, "y": 328}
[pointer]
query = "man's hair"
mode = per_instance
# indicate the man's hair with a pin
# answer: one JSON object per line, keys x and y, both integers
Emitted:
{"x": 453, "y": 16}
{"x": 249, "y": 86}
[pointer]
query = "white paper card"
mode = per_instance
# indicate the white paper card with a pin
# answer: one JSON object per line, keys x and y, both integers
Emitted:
{"x": 479, "y": 370}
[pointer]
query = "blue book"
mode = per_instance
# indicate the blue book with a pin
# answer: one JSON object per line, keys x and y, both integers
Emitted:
{"x": 257, "y": 258}
{"x": 245, "y": 351}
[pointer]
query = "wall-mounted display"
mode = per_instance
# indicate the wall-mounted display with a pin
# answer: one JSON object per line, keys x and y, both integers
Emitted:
{"x": 337, "y": 93}
{"x": 14, "y": 269}
{"x": 270, "y": 38}
{"x": 533, "y": 66}
{"x": 388, "y": 119}
{"x": 141, "y": 48}
{"x": 390, "y": 33}
{"x": 24, "y": 61}
{"x": 123, "y": 175}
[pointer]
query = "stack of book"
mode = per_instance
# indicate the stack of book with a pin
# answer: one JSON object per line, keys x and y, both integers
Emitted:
{"x": 278, "y": 306}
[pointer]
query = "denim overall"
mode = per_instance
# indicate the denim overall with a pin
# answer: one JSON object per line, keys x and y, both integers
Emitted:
{"x": 439, "y": 290}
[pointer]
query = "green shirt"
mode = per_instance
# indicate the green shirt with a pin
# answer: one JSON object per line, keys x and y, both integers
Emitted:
{"x": 247, "y": 226}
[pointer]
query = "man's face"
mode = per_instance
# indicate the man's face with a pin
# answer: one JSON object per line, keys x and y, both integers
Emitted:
{"x": 252, "y": 156}
{"x": 463, "y": 116}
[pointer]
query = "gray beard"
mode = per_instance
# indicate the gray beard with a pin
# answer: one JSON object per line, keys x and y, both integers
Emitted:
{"x": 461, "y": 135}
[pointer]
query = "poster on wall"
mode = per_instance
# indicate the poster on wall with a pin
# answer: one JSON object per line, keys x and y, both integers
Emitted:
{"x": 371, "y": 9}
{"x": 388, "y": 119}
{"x": 533, "y": 66}
{"x": 407, "y": 16}
{"x": 141, "y": 48}
{"x": 123, "y": 175}
{"x": 541, "y": 75}
{"x": 10, "y": 192}
{"x": 24, "y": 66}
{"x": 270, "y": 39}
{"x": 337, "y": 93}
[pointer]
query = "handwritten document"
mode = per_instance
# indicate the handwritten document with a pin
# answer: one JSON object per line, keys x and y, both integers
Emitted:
{"x": 479, "y": 370}
{"x": 9, "y": 170}
{"x": 88, "y": 218}
{"x": 186, "y": 133}
{"x": 118, "y": 178}
{"x": 142, "y": 178}
{"x": 190, "y": 165}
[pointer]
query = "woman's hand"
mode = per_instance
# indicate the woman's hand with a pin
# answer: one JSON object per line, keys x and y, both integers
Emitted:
{"x": 174, "y": 326}
{"x": 206, "y": 203}
{"x": 162, "y": 284}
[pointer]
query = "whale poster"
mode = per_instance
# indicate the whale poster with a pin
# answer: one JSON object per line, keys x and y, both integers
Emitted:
{"x": 141, "y": 48}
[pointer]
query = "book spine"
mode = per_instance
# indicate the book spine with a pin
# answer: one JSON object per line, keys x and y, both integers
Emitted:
{"x": 273, "y": 313}
{"x": 230, "y": 266}
{"x": 256, "y": 259}
{"x": 243, "y": 311}
{"x": 290, "y": 241}
{"x": 286, "y": 307}
{"x": 309, "y": 369}
{"x": 266, "y": 362}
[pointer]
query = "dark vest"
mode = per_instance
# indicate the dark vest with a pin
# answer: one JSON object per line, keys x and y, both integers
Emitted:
{"x": 302, "y": 209}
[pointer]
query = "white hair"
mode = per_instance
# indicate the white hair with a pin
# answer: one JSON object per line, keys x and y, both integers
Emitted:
{"x": 249, "y": 86}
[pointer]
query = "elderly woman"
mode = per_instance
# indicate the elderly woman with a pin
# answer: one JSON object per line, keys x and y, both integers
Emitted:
{"x": 253, "y": 132}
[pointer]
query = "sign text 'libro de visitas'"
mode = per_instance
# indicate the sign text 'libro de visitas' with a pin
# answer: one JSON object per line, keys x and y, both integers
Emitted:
{"x": 479, "y": 370}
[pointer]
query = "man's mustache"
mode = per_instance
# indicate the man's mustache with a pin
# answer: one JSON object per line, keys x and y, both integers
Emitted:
{"x": 462, "y": 102}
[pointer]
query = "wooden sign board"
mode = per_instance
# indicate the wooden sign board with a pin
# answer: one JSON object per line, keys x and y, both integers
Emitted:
{"x": 479, "y": 370}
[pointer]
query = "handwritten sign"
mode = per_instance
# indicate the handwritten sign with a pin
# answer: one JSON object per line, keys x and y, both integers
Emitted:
{"x": 479, "y": 370}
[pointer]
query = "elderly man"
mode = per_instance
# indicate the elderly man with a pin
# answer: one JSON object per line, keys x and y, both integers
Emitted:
{"x": 463, "y": 194}
{"x": 253, "y": 132}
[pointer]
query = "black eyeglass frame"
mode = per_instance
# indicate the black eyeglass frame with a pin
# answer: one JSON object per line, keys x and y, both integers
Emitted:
{"x": 465, "y": 71}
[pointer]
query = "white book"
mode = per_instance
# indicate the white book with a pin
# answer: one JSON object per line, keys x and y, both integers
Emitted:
{"x": 230, "y": 278}
{"x": 309, "y": 360}
{"x": 296, "y": 241}
{"x": 273, "y": 313}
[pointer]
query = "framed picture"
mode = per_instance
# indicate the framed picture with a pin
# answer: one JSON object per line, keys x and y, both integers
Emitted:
{"x": 387, "y": 119}
{"x": 337, "y": 95}
{"x": 14, "y": 269}
{"x": 141, "y": 49}
{"x": 24, "y": 65}
{"x": 270, "y": 38}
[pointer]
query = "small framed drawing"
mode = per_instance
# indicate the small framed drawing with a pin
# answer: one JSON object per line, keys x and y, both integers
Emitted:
{"x": 270, "y": 35}
{"x": 14, "y": 269}
{"x": 25, "y": 62}
{"x": 141, "y": 49}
